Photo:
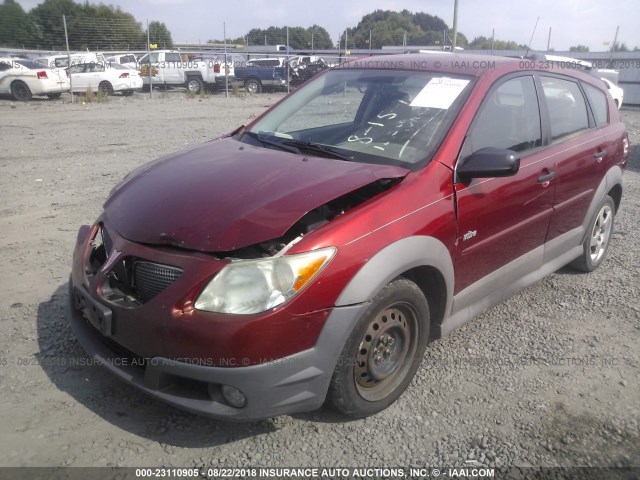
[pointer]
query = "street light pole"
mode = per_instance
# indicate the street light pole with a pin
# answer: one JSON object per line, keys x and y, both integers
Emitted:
{"x": 455, "y": 25}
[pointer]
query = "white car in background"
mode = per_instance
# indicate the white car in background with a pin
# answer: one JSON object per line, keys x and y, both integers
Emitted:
{"x": 104, "y": 77}
{"x": 616, "y": 92}
{"x": 24, "y": 78}
{"x": 128, "y": 59}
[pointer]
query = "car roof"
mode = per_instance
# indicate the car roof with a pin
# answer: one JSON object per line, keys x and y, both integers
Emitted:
{"x": 463, "y": 64}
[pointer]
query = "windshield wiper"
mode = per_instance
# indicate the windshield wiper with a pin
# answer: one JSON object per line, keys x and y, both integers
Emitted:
{"x": 317, "y": 148}
{"x": 263, "y": 139}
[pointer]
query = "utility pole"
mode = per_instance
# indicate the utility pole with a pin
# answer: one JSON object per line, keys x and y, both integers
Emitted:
{"x": 549, "y": 40}
{"x": 226, "y": 63}
{"x": 66, "y": 38}
{"x": 150, "y": 67}
{"x": 346, "y": 41}
{"x": 493, "y": 38}
{"x": 613, "y": 47}
{"x": 455, "y": 25}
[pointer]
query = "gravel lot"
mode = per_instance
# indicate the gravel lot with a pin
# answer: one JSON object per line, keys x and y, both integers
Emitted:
{"x": 548, "y": 378}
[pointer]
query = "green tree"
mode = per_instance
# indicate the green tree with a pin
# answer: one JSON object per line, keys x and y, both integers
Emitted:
{"x": 89, "y": 26}
{"x": 387, "y": 27}
{"x": 299, "y": 37}
{"x": 484, "y": 43}
{"x": 579, "y": 48}
{"x": 160, "y": 34}
{"x": 17, "y": 29}
{"x": 619, "y": 47}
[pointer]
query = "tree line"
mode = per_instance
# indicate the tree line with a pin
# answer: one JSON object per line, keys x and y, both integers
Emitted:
{"x": 89, "y": 26}
{"x": 103, "y": 27}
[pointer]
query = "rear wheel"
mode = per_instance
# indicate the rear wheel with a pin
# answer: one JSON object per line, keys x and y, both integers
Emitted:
{"x": 194, "y": 85}
{"x": 253, "y": 85}
{"x": 383, "y": 353}
{"x": 597, "y": 242}
{"x": 20, "y": 91}
{"x": 105, "y": 88}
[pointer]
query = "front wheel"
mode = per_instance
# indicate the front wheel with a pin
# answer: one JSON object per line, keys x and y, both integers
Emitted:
{"x": 383, "y": 353}
{"x": 597, "y": 242}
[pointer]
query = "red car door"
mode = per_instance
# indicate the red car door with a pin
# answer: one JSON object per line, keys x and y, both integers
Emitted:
{"x": 582, "y": 154}
{"x": 501, "y": 220}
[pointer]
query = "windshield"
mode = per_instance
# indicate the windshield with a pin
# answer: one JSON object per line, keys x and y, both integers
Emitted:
{"x": 375, "y": 116}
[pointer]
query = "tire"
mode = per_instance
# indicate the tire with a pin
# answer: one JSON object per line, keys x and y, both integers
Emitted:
{"x": 383, "y": 352}
{"x": 253, "y": 85}
{"x": 194, "y": 85}
{"x": 20, "y": 91}
{"x": 105, "y": 88}
{"x": 596, "y": 244}
{"x": 127, "y": 93}
{"x": 54, "y": 96}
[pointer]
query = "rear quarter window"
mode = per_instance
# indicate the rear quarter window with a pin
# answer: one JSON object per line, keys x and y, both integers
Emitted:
{"x": 599, "y": 105}
{"x": 567, "y": 106}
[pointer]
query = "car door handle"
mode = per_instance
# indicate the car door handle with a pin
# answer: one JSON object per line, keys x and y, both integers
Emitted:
{"x": 547, "y": 178}
{"x": 599, "y": 155}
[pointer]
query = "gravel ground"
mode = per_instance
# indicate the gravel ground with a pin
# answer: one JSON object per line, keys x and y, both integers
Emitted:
{"x": 548, "y": 378}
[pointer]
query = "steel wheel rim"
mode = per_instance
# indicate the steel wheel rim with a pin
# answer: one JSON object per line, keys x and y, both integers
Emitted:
{"x": 194, "y": 86}
{"x": 600, "y": 233}
{"x": 252, "y": 87}
{"x": 386, "y": 351}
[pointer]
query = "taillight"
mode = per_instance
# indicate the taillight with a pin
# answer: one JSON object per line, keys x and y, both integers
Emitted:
{"x": 625, "y": 147}
{"x": 124, "y": 75}
{"x": 216, "y": 68}
{"x": 42, "y": 75}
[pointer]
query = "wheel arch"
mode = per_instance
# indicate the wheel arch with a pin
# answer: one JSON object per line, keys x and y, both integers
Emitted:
{"x": 611, "y": 185}
{"x": 616, "y": 194}
{"x": 424, "y": 260}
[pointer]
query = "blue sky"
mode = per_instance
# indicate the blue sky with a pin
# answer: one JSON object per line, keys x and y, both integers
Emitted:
{"x": 587, "y": 22}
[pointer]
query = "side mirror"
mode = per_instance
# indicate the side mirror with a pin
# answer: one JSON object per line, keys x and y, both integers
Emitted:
{"x": 489, "y": 162}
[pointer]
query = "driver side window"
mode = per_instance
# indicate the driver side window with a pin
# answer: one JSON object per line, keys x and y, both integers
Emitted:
{"x": 509, "y": 118}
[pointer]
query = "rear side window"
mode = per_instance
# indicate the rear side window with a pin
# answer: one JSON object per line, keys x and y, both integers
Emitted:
{"x": 598, "y": 101}
{"x": 173, "y": 57}
{"x": 509, "y": 118}
{"x": 567, "y": 106}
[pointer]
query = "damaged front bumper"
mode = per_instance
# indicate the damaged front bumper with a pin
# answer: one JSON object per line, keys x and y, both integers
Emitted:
{"x": 296, "y": 383}
{"x": 278, "y": 362}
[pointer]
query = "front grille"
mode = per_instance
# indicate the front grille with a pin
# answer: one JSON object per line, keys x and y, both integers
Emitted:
{"x": 149, "y": 279}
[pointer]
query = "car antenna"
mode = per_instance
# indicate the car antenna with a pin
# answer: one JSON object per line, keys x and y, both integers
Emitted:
{"x": 526, "y": 55}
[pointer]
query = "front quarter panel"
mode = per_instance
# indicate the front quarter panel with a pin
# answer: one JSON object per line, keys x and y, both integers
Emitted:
{"x": 411, "y": 225}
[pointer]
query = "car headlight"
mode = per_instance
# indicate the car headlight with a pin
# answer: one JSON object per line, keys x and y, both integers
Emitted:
{"x": 254, "y": 286}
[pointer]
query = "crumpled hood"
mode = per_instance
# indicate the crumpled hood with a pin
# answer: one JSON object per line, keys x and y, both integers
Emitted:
{"x": 224, "y": 195}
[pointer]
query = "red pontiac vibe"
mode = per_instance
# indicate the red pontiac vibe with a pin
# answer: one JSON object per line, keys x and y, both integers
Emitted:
{"x": 312, "y": 255}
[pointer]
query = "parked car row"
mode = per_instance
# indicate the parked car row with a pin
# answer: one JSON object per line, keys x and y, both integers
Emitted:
{"x": 125, "y": 74}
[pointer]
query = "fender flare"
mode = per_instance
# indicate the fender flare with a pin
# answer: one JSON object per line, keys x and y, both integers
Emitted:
{"x": 392, "y": 261}
{"x": 612, "y": 178}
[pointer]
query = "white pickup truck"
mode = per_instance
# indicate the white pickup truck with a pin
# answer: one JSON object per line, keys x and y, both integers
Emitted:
{"x": 169, "y": 69}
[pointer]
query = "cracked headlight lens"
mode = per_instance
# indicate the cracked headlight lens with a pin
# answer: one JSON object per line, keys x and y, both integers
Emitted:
{"x": 254, "y": 286}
